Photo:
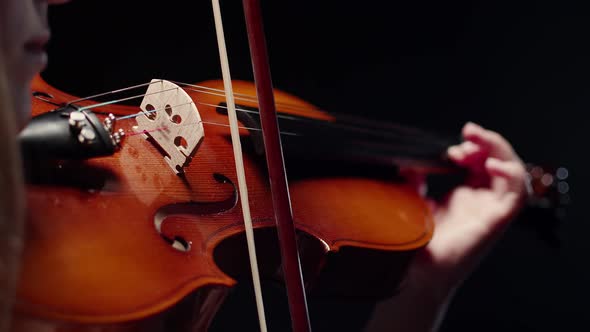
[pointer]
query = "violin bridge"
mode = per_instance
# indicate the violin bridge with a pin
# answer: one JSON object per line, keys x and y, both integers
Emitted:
{"x": 170, "y": 118}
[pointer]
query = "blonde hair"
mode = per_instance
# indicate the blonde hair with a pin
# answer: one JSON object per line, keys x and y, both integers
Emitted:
{"x": 11, "y": 202}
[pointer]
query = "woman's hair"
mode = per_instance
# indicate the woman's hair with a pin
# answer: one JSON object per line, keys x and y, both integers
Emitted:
{"x": 11, "y": 202}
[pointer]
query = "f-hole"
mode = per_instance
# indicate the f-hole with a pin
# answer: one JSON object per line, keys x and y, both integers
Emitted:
{"x": 194, "y": 209}
{"x": 45, "y": 96}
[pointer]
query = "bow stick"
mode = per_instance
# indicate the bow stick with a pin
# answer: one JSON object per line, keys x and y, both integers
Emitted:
{"x": 276, "y": 168}
{"x": 274, "y": 158}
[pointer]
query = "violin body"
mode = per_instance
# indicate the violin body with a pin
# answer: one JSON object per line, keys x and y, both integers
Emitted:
{"x": 124, "y": 243}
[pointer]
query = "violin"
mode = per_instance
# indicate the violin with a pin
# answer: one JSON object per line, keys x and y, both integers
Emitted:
{"x": 104, "y": 231}
{"x": 135, "y": 222}
{"x": 128, "y": 236}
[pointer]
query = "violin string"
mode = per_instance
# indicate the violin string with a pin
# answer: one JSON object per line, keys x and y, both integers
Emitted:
{"x": 132, "y": 116}
{"x": 242, "y": 96}
{"x": 130, "y": 133}
{"x": 112, "y": 92}
{"x": 163, "y": 128}
{"x": 208, "y": 90}
{"x": 117, "y": 101}
{"x": 344, "y": 126}
{"x": 247, "y": 128}
{"x": 383, "y": 147}
{"x": 194, "y": 87}
{"x": 281, "y": 116}
{"x": 381, "y": 150}
{"x": 388, "y": 147}
{"x": 250, "y": 98}
{"x": 358, "y": 129}
{"x": 379, "y": 133}
{"x": 216, "y": 92}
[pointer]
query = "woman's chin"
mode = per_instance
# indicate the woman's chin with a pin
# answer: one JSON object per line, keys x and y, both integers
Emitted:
{"x": 22, "y": 109}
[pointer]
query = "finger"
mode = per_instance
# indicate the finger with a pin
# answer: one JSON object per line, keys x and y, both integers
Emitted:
{"x": 472, "y": 157}
{"x": 455, "y": 153}
{"x": 510, "y": 170}
{"x": 468, "y": 154}
{"x": 506, "y": 175}
{"x": 497, "y": 146}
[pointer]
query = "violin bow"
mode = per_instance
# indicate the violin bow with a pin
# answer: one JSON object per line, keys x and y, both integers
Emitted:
{"x": 275, "y": 163}
{"x": 276, "y": 167}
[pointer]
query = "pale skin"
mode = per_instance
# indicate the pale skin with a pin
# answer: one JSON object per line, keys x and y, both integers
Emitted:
{"x": 468, "y": 223}
{"x": 23, "y": 30}
{"x": 477, "y": 213}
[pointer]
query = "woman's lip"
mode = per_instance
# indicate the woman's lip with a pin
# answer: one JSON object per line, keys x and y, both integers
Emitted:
{"x": 34, "y": 49}
{"x": 37, "y": 43}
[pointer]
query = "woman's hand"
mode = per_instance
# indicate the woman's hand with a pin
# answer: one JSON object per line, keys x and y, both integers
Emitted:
{"x": 474, "y": 215}
{"x": 468, "y": 222}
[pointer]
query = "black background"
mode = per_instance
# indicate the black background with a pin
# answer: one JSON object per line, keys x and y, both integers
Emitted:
{"x": 518, "y": 67}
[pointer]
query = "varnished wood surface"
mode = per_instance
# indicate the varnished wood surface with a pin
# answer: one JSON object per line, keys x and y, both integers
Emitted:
{"x": 93, "y": 254}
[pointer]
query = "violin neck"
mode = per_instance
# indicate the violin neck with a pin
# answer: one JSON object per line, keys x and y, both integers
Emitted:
{"x": 355, "y": 140}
